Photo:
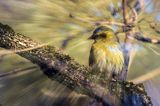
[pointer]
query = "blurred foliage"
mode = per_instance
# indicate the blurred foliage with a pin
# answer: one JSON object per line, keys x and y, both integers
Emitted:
{"x": 67, "y": 25}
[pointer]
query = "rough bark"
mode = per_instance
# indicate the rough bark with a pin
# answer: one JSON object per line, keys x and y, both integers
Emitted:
{"x": 67, "y": 71}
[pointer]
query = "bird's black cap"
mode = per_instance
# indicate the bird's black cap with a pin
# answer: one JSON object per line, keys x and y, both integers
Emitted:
{"x": 99, "y": 29}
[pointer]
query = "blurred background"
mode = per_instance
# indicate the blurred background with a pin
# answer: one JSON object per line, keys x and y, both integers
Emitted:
{"x": 67, "y": 24}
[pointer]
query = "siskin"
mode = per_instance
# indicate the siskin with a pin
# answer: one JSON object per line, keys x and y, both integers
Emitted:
{"x": 106, "y": 54}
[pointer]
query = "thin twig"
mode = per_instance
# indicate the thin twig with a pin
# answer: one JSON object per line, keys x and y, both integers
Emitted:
{"x": 135, "y": 15}
{"x": 148, "y": 76}
{"x": 17, "y": 71}
{"x": 95, "y": 23}
{"x": 145, "y": 39}
{"x": 124, "y": 3}
{"x": 6, "y": 52}
{"x": 155, "y": 27}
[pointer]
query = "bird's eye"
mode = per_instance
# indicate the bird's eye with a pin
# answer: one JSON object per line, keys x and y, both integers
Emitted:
{"x": 103, "y": 35}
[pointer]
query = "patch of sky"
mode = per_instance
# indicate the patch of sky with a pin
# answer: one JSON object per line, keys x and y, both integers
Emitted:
{"x": 158, "y": 17}
{"x": 149, "y": 6}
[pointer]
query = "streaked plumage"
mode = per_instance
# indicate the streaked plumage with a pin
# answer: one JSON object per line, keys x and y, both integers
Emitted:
{"x": 106, "y": 55}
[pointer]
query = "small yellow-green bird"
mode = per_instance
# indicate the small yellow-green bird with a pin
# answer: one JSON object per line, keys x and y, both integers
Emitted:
{"x": 106, "y": 54}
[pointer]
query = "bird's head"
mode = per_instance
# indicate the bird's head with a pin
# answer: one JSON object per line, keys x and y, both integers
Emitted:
{"x": 102, "y": 33}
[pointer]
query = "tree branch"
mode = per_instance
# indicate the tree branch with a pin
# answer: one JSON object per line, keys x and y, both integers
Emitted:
{"x": 124, "y": 4}
{"x": 67, "y": 71}
{"x": 138, "y": 37}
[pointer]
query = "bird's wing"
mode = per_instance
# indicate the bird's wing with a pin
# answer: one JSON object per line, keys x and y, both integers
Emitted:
{"x": 97, "y": 56}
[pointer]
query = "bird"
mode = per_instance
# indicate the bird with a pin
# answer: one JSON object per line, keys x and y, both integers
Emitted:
{"x": 107, "y": 55}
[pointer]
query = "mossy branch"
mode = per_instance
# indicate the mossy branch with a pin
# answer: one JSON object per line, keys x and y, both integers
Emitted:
{"x": 67, "y": 71}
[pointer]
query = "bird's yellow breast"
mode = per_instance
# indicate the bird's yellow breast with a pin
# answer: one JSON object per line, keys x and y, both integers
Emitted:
{"x": 108, "y": 56}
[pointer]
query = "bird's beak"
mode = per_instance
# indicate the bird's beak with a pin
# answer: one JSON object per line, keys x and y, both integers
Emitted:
{"x": 93, "y": 36}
